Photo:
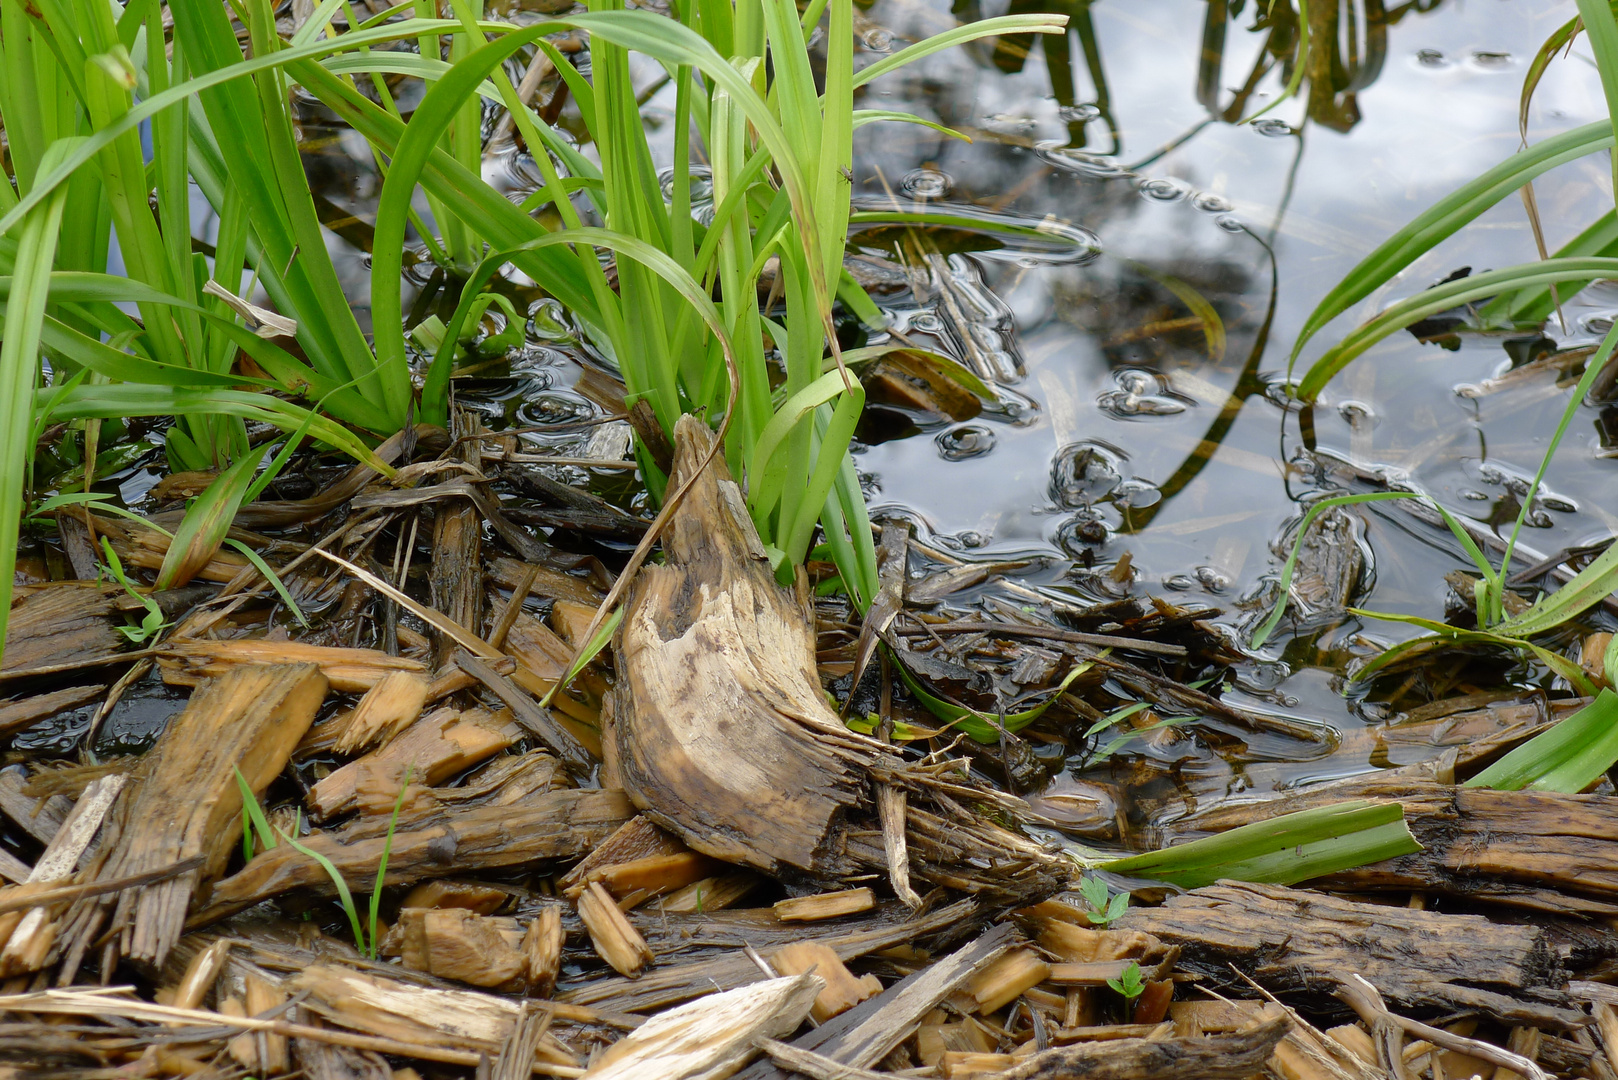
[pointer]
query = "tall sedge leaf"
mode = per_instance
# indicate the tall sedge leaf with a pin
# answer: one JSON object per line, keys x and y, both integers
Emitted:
{"x": 207, "y": 521}
{"x": 1602, "y": 29}
{"x": 1444, "y": 217}
{"x": 1568, "y": 757}
{"x": 19, "y": 366}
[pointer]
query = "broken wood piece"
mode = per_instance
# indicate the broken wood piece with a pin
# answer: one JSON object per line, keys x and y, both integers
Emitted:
{"x": 200, "y": 975}
{"x": 890, "y": 804}
{"x": 238, "y": 728}
{"x": 711, "y": 1037}
{"x": 1004, "y": 981}
{"x": 653, "y": 875}
{"x": 827, "y": 905}
{"x": 1234, "y": 1055}
{"x": 25, "y": 712}
{"x": 571, "y": 620}
{"x": 454, "y": 943}
{"x": 264, "y": 1053}
{"x": 969, "y": 1065}
{"x": 455, "y": 576}
{"x": 542, "y": 951}
{"x": 639, "y": 838}
{"x": 187, "y": 662}
{"x": 437, "y": 746}
{"x": 813, "y": 1065}
{"x": 616, "y": 940}
{"x": 66, "y": 624}
{"x": 868, "y": 1032}
{"x": 551, "y": 825}
{"x": 474, "y": 896}
{"x": 711, "y": 894}
{"x": 933, "y": 1041}
{"x": 1367, "y": 1002}
{"x": 842, "y": 991}
{"x": 387, "y": 708}
{"x": 724, "y": 735}
{"x": 1304, "y": 943}
{"x": 557, "y": 739}
{"x": 553, "y": 584}
{"x": 38, "y": 817}
{"x": 29, "y": 935}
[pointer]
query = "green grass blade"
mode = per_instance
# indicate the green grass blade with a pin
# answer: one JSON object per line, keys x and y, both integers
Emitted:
{"x": 1448, "y": 215}
{"x": 19, "y": 366}
{"x": 382, "y": 863}
{"x": 205, "y": 524}
{"x": 1442, "y": 298}
{"x": 974, "y": 31}
{"x": 1602, "y": 29}
{"x": 272, "y": 577}
{"x": 1588, "y": 588}
{"x": 344, "y": 896}
{"x": 1560, "y": 38}
{"x": 1567, "y": 757}
{"x": 1283, "y": 850}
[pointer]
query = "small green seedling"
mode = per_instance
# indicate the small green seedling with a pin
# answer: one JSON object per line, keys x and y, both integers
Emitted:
{"x": 1129, "y": 983}
{"x": 1105, "y": 905}
{"x": 152, "y": 623}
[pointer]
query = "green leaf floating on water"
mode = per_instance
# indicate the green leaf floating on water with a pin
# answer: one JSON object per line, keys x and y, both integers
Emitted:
{"x": 1568, "y": 757}
{"x": 1283, "y": 850}
{"x": 981, "y": 725}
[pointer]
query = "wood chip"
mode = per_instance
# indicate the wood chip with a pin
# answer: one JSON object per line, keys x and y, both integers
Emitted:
{"x": 1004, "y": 981}
{"x": 437, "y": 746}
{"x": 189, "y": 662}
{"x": 387, "y": 708}
{"x": 542, "y": 951}
{"x": 843, "y": 989}
{"x": 828, "y": 905}
{"x": 616, "y": 940}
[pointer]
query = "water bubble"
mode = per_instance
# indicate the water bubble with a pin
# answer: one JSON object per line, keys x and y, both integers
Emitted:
{"x": 1273, "y": 127}
{"x": 1099, "y": 166}
{"x": 1082, "y": 531}
{"x": 966, "y": 441}
{"x": 1431, "y": 58}
{"x": 549, "y": 321}
{"x": 1598, "y": 325}
{"x": 1492, "y": 61}
{"x": 701, "y": 184}
{"x": 1212, "y": 580}
{"x": 1360, "y": 416}
{"x": 926, "y": 184}
{"x": 1084, "y": 473}
{"x": 1474, "y": 495}
{"x": 1230, "y": 223}
{"x": 1078, "y": 114}
{"x": 1136, "y": 494}
{"x": 1180, "y": 582}
{"x": 1210, "y": 203}
{"x": 1164, "y": 189}
{"x": 1139, "y": 393}
{"x": 926, "y": 322}
{"x": 878, "y": 39}
{"x": 554, "y": 409}
{"x": 971, "y": 539}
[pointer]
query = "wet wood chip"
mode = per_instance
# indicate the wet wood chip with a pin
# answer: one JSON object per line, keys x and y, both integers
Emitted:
{"x": 387, "y": 708}
{"x": 843, "y": 989}
{"x": 615, "y": 939}
{"x": 188, "y": 662}
{"x": 827, "y": 905}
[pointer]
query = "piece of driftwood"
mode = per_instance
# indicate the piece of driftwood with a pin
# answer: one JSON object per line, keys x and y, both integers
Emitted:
{"x": 185, "y": 800}
{"x": 1235, "y": 1055}
{"x": 712, "y": 1037}
{"x": 437, "y": 746}
{"x": 61, "y": 625}
{"x": 868, "y": 1032}
{"x": 550, "y": 826}
{"x": 723, "y": 734}
{"x": 187, "y": 662}
{"x": 1301, "y": 943}
{"x": 16, "y": 715}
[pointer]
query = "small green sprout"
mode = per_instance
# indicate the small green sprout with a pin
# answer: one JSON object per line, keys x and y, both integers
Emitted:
{"x": 1129, "y": 983}
{"x": 1105, "y": 905}
{"x": 153, "y": 622}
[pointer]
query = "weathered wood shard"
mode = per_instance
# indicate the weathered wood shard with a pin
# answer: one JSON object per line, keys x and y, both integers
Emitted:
{"x": 60, "y": 626}
{"x": 184, "y": 799}
{"x": 553, "y": 825}
{"x": 723, "y": 734}
{"x": 1305, "y": 943}
{"x": 1235, "y": 1055}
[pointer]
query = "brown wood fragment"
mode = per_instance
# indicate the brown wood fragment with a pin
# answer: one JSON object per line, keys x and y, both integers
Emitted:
{"x": 456, "y": 573}
{"x": 828, "y": 905}
{"x": 542, "y": 951}
{"x": 570, "y": 620}
{"x": 200, "y": 976}
{"x": 61, "y": 624}
{"x": 933, "y": 1041}
{"x": 539, "y": 723}
{"x": 437, "y": 746}
{"x": 474, "y": 896}
{"x": 616, "y": 940}
{"x": 461, "y": 945}
{"x": 38, "y": 817}
{"x": 711, "y": 894}
{"x": 189, "y": 662}
{"x": 509, "y": 573}
{"x": 387, "y": 708}
{"x": 246, "y": 721}
{"x": 868, "y": 1032}
{"x": 813, "y": 1065}
{"x": 1234, "y": 1055}
{"x": 639, "y": 838}
{"x": 1306, "y": 943}
{"x": 968, "y": 1065}
{"x": 711, "y": 1037}
{"x": 551, "y": 825}
{"x": 16, "y": 715}
{"x": 270, "y": 1053}
{"x": 724, "y": 736}
{"x": 1004, "y": 981}
{"x": 653, "y": 875}
{"x": 842, "y": 991}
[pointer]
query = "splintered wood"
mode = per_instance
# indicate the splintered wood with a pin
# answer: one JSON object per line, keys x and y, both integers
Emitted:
{"x": 723, "y": 734}
{"x": 185, "y": 799}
